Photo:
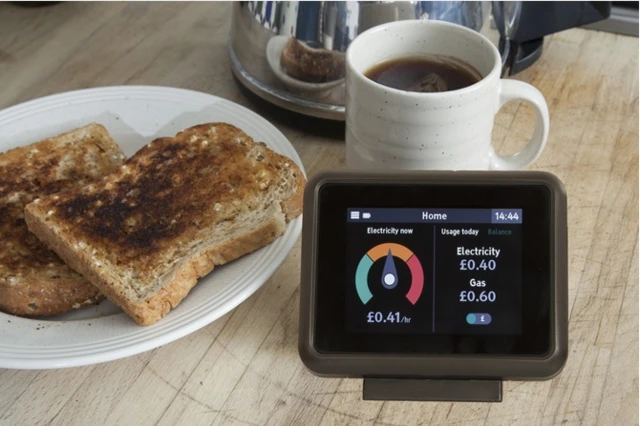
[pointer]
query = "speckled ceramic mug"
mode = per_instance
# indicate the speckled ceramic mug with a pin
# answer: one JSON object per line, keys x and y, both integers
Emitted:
{"x": 394, "y": 129}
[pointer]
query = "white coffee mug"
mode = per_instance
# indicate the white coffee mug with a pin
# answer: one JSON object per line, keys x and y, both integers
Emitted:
{"x": 391, "y": 129}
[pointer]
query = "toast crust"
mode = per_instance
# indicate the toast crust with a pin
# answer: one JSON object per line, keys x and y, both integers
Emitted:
{"x": 176, "y": 209}
{"x": 33, "y": 298}
{"x": 33, "y": 279}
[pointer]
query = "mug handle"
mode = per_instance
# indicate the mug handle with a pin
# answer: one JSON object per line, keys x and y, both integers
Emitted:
{"x": 511, "y": 90}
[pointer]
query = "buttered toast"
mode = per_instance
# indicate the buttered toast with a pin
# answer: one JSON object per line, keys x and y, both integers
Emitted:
{"x": 33, "y": 279}
{"x": 176, "y": 209}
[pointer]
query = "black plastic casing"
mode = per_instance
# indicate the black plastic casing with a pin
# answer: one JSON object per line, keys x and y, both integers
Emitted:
{"x": 505, "y": 367}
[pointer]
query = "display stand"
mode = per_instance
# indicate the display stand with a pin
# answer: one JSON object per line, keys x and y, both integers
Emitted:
{"x": 388, "y": 389}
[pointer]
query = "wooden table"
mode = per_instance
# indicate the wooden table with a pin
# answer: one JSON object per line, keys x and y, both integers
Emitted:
{"x": 244, "y": 368}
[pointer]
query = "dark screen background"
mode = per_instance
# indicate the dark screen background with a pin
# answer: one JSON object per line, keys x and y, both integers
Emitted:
{"x": 443, "y": 281}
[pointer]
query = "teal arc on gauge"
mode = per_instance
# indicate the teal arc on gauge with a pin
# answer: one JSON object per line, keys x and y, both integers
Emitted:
{"x": 361, "y": 279}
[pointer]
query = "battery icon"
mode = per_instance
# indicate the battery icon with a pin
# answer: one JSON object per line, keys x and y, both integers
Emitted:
{"x": 366, "y": 215}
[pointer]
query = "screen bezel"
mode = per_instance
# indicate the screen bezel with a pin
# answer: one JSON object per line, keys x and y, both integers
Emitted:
{"x": 333, "y": 199}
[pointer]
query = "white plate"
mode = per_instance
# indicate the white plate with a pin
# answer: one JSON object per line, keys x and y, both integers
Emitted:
{"x": 275, "y": 46}
{"x": 134, "y": 115}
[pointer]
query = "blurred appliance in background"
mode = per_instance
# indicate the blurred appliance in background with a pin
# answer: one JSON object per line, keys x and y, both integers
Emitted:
{"x": 538, "y": 19}
{"x": 622, "y": 20}
{"x": 268, "y": 37}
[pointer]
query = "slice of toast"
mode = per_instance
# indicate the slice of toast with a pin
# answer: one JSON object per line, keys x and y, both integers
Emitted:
{"x": 33, "y": 279}
{"x": 174, "y": 210}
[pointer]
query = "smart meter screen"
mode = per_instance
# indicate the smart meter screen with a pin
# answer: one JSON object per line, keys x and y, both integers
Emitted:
{"x": 434, "y": 271}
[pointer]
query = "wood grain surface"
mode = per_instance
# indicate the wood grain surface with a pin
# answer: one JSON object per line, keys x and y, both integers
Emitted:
{"x": 244, "y": 368}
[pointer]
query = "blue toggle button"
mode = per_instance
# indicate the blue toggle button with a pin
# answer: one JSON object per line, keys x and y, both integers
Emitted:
{"x": 478, "y": 319}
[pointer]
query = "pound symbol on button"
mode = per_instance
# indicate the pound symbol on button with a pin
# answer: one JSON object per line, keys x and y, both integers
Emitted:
{"x": 479, "y": 319}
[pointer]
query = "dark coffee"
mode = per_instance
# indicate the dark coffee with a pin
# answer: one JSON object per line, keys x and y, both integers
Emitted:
{"x": 435, "y": 73}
